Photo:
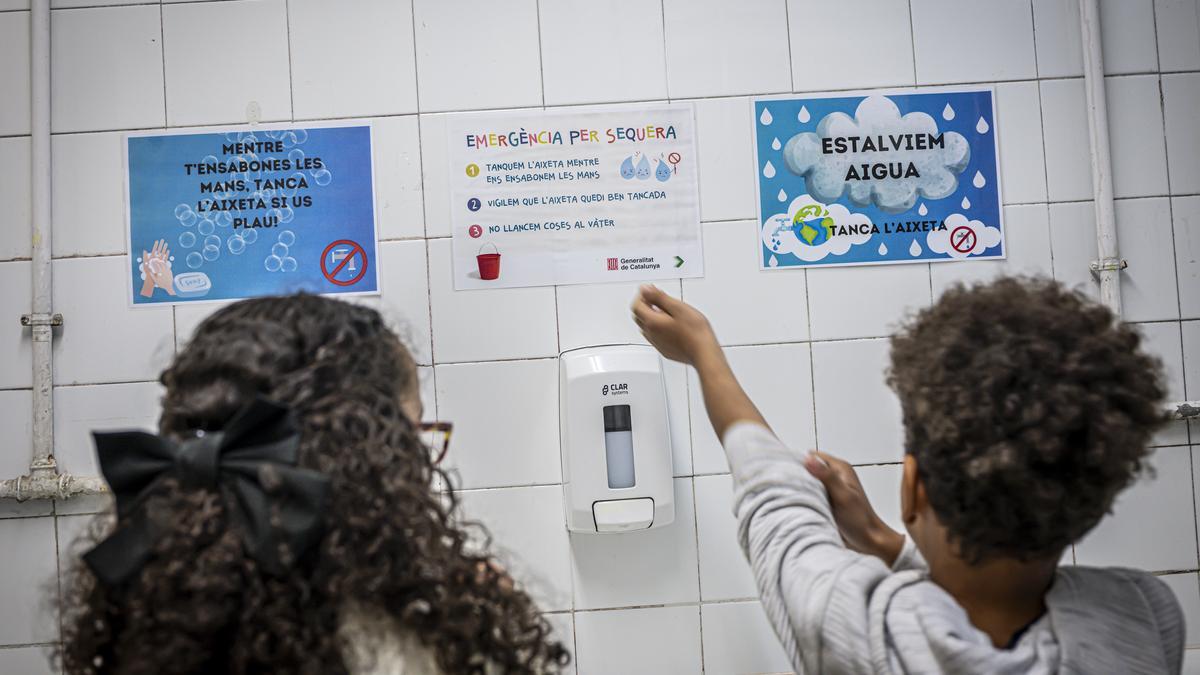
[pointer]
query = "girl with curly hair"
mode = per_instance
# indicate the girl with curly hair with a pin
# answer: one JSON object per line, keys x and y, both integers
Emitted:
{"x": 285, "y": 519}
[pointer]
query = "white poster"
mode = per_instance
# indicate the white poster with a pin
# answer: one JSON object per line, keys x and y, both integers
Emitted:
{"x": 574, "y": 196}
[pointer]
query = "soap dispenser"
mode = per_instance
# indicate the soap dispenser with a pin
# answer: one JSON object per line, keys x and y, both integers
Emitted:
{"x": 615, "y": 439}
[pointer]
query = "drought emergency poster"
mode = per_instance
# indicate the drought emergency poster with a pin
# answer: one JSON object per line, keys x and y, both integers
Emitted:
{"x": 878, "y": 178}
{"x": 573, "y": 196}
{"x": 225, "y": 214}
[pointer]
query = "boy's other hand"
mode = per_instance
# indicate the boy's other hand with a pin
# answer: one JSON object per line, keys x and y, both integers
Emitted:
{"x": 861, "y": 528}
{"x": 676, "y": 329}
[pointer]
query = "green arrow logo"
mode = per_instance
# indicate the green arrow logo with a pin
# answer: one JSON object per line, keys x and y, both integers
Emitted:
{"x": 678, "y": 261}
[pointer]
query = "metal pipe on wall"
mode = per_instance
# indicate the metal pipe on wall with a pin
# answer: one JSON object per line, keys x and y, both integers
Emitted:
{"x": 43, "y": 481}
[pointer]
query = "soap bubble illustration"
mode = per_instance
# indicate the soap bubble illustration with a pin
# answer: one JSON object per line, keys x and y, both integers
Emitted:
{"x": 979, "y": 180}
{"x": 286, "y": 214}
{"x": 235, "y": 245}
{"x": 947, "y": 113}
{"x": 187, "y": 240}
{"x": 212, "y": 241}
{"x": 662, "y": 172}
{"x": 301, "y": 135}
{"x": 224, "y": 219}
{"x": 287, "y": 237}
{"x": 766, "y": 118}
{"x": 272, "y": 263}
{"x": 296, "y": 155}
{"x": 804, "y": 116}
{"x": 249, "y": 236}
{"x": 769, "y": 170}
{"x": 211, "y": 253}
{"x": 775, "y": 144}
{"x": 627, "y": 170}
{"x": 194, "y": 260}
{"x": 937, "y": 169}
{"x": 982, "y": 126}
{"x": 209, "y": 159}
{"x": 277, "y": 215}
{"x": 189, "y": 218}
{"x": 279, "y": 250}
{"x": 181, "y": 210}
{"x": 643, "y": 169}
{"x": 322, "y": 177}
{"x": 966, "y": 203}
{"x": 915, "y": 249}
{"x": 288, "y": 264}
{"x": 206, "y": 227}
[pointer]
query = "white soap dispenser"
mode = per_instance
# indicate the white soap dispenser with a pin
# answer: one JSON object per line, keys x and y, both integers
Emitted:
{"x": 616, "y": 439}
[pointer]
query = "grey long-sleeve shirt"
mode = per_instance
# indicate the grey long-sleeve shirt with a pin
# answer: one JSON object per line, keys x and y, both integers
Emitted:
{"x": 837, "y": 611}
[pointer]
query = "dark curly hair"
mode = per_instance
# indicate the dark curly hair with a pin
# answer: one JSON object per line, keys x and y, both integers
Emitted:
{"x": 1027, "y": 408}
{"x": 391, "y": 544}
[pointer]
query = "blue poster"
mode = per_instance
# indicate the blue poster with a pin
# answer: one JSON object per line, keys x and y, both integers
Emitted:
{"x": 219, "y": 215}
{"x": 878, "y": 178}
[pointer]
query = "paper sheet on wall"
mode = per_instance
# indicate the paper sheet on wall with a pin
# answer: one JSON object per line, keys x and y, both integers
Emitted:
{"x": 247, "y": 212}
{"x": 878, "y": 178}
{"x": 573, "y": 196}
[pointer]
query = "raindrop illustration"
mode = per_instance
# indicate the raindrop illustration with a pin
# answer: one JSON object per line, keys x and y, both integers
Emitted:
{"x": 982, "y": 126}
{"x": 773, "y": 262}
{"x": 187, "y": 240}
{"x": 288, "y": 264}
{"x": 211, "y": 253}
{"x": 188, "y": 219}
{"x": 662, "y": 172}
{"x": 250, "y": 236}
{"x": 782, "y": 196}
{"x": 322, "y": 177}
{"x": 765, "y": 117}
{"x": 272, "y": 263}
{"x": 206, "y": 227}
{"x": 979, "y": 180}
{"x": 923, "y": 210}
{"x": 194, "y": 260}
{"x": 947, "y": 113}
{"x": 643, "y": 169}
{"x": 804, "y": 116}
{"x": 182, "y": 210}
{"x": 236, "y": 245}
{"x": 966, "y": 203}
{"x": 882, "y": 248}
{"x": 279, "y": 250}
{"x": 627, "y": 168}
{"x": 287, "y": 237}
{"x": 775, "y": 144}
{"x": 212, "y": 241}
{"x": 769, "y": 170}
{"x": 915, "y": 249}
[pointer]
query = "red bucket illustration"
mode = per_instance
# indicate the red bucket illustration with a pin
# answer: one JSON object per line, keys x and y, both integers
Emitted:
{"x": 489, "y": 263}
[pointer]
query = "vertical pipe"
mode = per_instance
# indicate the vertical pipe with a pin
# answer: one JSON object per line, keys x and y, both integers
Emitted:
{"x": 43, "y": 367}
{"x": 1109, "y": 267}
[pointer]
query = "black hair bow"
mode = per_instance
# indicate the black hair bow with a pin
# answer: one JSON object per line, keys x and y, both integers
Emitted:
{"x": 251, "y": 463}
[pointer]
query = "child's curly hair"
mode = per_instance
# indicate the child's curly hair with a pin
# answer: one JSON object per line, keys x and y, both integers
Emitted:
{"x": 1027, "y": 408}
{"x": 202, "y": 605}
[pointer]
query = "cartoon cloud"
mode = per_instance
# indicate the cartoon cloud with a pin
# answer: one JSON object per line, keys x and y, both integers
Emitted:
{"x": 807, "y": 230}
{"x": 828, "y": 175}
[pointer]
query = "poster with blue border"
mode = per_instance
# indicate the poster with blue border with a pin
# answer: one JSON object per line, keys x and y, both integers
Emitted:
{"x": 220, "y": 214}
{"x": 877, "y": 178}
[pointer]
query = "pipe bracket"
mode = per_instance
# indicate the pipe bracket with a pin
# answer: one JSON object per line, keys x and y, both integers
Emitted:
{"x": 41, "y": 320}
{"x": 1107, "y": 265}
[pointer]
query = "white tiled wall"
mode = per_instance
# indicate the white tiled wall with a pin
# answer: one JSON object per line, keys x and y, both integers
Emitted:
{"x": 810, "y": 346}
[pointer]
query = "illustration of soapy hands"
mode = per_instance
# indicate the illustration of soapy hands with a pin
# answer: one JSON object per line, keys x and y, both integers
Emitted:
{"x": 156, "y": 269}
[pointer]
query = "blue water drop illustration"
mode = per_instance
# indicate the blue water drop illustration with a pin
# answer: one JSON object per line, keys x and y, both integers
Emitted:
{"x": 765, "y": 117}
{"x": 923, "y": 210}
{"x": 947, "y": 113}
{"x": 915, "y": 249}
{"x": 662, "y": 172}
{"x": 804, "y": 116}
{"x": 966, "y": 203}
{"x": 627, "y": 168}
{"x": 775, "y": 144}
{"x": 769, "y": 170}
{"x": 883, "y": 249}
{"x": 979, "y": 180}
{"x": 982, "y": 126}
{"x": 643, "y": 169}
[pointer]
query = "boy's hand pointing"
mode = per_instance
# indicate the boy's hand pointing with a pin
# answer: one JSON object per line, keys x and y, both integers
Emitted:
{"x": 674, "y": 327}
